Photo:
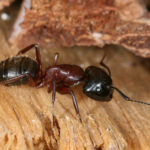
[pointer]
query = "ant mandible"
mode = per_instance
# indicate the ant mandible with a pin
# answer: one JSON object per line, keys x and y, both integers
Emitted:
{"x": 98, "y": 84}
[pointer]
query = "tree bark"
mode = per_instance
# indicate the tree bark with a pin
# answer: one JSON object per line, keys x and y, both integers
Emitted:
{"x": 83, "y": 23}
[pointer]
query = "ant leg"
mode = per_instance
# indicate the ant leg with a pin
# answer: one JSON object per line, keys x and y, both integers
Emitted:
{"x": 53, "y": 97}
{"x": 38, "y": 56}
{"x": 41, "y": 84}
{"x": 11, "y": 80}
{"x": 44, "y": 82}
{"x": 24, "y": 50}
{"x": 66, "y": 90}
{"x": 51, "y": 86}
{"x": 105, "y": 66}
{"x": 75, "y": 105}
{"x": 55, "y": 58}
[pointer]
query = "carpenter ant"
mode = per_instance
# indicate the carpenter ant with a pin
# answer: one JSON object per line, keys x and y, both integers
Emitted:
{"x": 20, "y": 70}
{"x": 97, "y": 83}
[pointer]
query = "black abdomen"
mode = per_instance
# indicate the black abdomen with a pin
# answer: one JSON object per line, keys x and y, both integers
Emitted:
{"x": 15, "y": 66}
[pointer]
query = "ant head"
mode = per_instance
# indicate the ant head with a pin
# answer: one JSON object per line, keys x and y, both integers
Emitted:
{"x": 98, "y": 91}
{"x": 98, "y": 84}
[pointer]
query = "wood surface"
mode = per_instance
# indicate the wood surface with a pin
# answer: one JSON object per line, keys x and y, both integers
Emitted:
{"x": 26, "y": 114}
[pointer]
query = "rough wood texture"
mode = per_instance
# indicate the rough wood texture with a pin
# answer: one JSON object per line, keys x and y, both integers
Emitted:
{"x": 25, "y": 112}
{"x": 72, "y": 22}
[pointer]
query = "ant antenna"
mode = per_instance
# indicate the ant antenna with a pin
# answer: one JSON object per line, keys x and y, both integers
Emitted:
{"x": 127, "y": 98}
{"x": 105, "y": 66}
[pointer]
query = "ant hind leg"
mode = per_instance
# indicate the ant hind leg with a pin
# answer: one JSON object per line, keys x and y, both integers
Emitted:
{"x": 26, "y": 49}
{"x": 38, "y": 56}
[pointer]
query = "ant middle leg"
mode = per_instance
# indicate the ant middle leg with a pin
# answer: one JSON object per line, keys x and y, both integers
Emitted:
{"x": 104, "y": 65}
{"x": 53, "y": 97}
{"x": 67, "y": 90}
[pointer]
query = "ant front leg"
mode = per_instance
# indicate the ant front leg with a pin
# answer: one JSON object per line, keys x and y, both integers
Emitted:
{"x": 67, "y": 90}
{"x": 105, "y": 66}
{"x": 38, "y": 56}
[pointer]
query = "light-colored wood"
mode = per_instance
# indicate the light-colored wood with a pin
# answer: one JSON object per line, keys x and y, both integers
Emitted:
{"x": 26, "y": 114}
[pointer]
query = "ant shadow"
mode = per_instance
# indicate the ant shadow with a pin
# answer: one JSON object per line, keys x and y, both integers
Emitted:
{"x": 145, "y": 62}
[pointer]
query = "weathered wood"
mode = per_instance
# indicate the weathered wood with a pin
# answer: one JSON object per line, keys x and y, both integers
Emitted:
{"x": 84, "y": 23}
{"x": 26, "y": 115}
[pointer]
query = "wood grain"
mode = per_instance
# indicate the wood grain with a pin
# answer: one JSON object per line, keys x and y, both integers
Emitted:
{"x": 26, "y": 115}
